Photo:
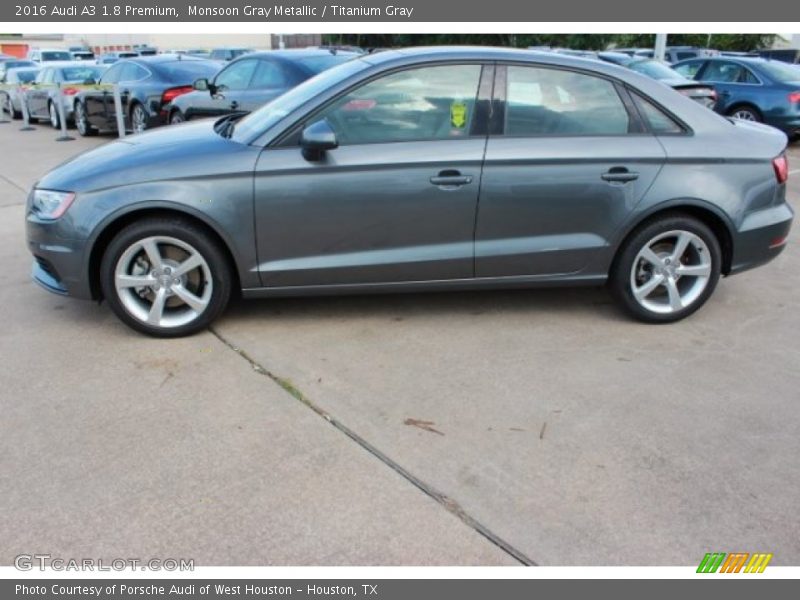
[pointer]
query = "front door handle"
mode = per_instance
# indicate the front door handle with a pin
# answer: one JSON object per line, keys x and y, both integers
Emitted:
{"x": 451, "y": 178}
{"x": 619, "y": 175}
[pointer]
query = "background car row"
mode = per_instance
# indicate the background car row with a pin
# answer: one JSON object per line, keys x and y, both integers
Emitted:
{"x": 171, "y": 88}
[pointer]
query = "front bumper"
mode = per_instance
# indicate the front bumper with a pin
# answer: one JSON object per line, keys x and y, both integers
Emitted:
{"x": 761, "y": 237}
{"x": 59, "y": 260}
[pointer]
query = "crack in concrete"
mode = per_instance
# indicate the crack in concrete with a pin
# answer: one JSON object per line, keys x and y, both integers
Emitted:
{"x": 13, "y": 184}
{"x": 449, "y": 504}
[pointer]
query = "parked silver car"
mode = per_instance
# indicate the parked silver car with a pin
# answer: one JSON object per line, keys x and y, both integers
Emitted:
{"x": 18, "y": 80}
{"x": 56, "y": 82}
{"x": 420, "y": 169}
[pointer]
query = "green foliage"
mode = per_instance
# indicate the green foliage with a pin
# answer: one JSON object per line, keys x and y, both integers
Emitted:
{"x": 742, "y": 42}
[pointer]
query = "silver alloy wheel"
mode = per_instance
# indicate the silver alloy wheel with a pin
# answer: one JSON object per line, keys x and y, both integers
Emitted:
{"x": 138, "y": 119}
{"x": 744, "y": 115}
{"x": 163, "y": 282}
{"x": 670, "y": 272}
{"x": 176, "y": 118}
{"x": 53, "y": 115}
{"x": 80, "y": 119}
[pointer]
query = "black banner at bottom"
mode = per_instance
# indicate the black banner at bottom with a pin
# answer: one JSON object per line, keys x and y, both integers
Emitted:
{"x": 395, "y": 589}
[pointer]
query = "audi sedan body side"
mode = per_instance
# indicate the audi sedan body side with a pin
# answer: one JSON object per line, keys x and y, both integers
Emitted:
{"x": 420, "y": 169}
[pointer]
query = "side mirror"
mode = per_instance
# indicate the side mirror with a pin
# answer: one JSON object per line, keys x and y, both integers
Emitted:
{"x": 201, "y": 85}
{"x": 316, "y": 139}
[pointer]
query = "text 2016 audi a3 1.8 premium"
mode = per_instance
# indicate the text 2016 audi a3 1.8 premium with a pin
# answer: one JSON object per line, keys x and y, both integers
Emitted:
{"x": 445, "y": 168}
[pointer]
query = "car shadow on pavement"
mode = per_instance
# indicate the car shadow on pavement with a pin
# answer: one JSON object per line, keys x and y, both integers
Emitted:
{"x": 579, "y": 301}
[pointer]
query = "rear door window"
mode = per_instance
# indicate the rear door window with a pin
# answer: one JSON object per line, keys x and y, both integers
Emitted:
{"x": 657, "y": 120}
{"x": 546, "y": 101}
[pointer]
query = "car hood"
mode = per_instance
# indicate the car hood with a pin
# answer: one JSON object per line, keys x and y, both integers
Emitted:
{"x": 190, "y": 150}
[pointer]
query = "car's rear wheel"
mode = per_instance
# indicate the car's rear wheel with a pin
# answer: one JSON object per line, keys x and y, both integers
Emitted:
{"x": 82, "y": 121}
{"x": 165, "y": 277}
{"x": 55, "y": 120}
{"x": 667, "y": 269}
{"x": 138, "y": 118}
{"x": 745, "y": 113}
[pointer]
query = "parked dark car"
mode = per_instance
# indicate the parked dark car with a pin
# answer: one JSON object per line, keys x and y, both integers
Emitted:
{"x": 228, "y": 53}
{"x": 420, "y": 169}
{"x": 787, "y": 55}
{"x": 699, "y": 92}
{"x": 42, "y": 99}
{"x": 252, "y": 80}
{"x": 753, "y": 89}
{"x": 148, "y": 85}
{"x": 109, "y": 58}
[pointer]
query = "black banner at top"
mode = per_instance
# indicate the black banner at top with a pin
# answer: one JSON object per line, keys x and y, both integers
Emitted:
{"x": 443, "y": 11}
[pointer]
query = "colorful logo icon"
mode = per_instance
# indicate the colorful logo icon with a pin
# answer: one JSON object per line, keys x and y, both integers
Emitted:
{"x": 736, "y": 562}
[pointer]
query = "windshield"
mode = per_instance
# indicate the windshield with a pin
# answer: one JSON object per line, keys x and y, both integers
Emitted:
{"x": 654, "y": 69}
{"x": 781, "y": 72}
{"x": 268, "y": 115}
{"x": 25, "y": 76}
{"x": 77, "y": 74}
{"x": 187, "y": 70}
{"x": 317, "y": 64}
{"x": 56, "y": 56}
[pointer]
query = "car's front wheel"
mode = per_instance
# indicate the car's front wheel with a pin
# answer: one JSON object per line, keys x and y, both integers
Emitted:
{"x": 165, "y": 277}
{"x": 667, "y": 269}
{"x": 176, "y": 117}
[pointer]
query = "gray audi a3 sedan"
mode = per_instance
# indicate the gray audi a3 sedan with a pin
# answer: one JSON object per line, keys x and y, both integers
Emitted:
{"x": 420, "y": 169}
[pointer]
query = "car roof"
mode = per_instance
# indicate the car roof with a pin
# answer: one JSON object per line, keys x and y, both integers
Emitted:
{"x": 297, "y": 52}
{"x": 64, "y": 64}
{"x": 483, "y": 53}
{"x": 152, "y": 59}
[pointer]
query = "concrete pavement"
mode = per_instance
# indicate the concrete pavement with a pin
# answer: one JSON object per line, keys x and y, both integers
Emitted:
{"x": 542, "y": 420}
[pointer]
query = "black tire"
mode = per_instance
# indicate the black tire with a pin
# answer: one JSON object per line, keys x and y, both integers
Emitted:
{"x": 82, "y": 121}
{"x": 746, "y": 112}
{"x": 138, "y": 125}
{"x": 622, "y": 274}
{"x": 187, "y": 232}
{"x": 176, "y": 117}
{"x": 53, "y": 112}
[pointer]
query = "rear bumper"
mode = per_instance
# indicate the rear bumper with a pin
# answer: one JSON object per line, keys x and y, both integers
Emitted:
{"x": 761, "y": 237}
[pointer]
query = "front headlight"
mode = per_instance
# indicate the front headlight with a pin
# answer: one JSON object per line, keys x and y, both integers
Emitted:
{"x": 48, "y": 204}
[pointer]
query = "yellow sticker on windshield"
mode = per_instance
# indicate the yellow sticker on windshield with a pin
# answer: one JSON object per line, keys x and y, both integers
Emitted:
{"x": 458, "y": 114}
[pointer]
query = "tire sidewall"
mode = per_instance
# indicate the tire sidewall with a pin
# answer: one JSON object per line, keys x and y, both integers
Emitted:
{"x": 621, "y": 270}
{"x": 187, "y": 232}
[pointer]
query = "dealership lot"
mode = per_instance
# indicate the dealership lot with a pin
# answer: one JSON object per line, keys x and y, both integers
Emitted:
{"x": 473, "y": 428}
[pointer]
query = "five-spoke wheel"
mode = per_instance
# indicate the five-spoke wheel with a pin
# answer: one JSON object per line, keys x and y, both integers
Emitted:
{"x": 667, "y": 269}
{"x": 165, "y": 277}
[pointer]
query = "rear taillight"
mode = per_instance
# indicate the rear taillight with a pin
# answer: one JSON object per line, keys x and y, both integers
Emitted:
{"x": 70, "y": 91}
{"x": 794, "y": 97}
{"x": 781, "y": 166}
{"x": 714, "y": 95}
{"x": 172, "y": 93}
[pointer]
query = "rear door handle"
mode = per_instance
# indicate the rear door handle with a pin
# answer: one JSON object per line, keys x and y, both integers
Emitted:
{"x": 619, "y": 175}
{"x": 234, "y": 105}
{"x": 451, "y": 178}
